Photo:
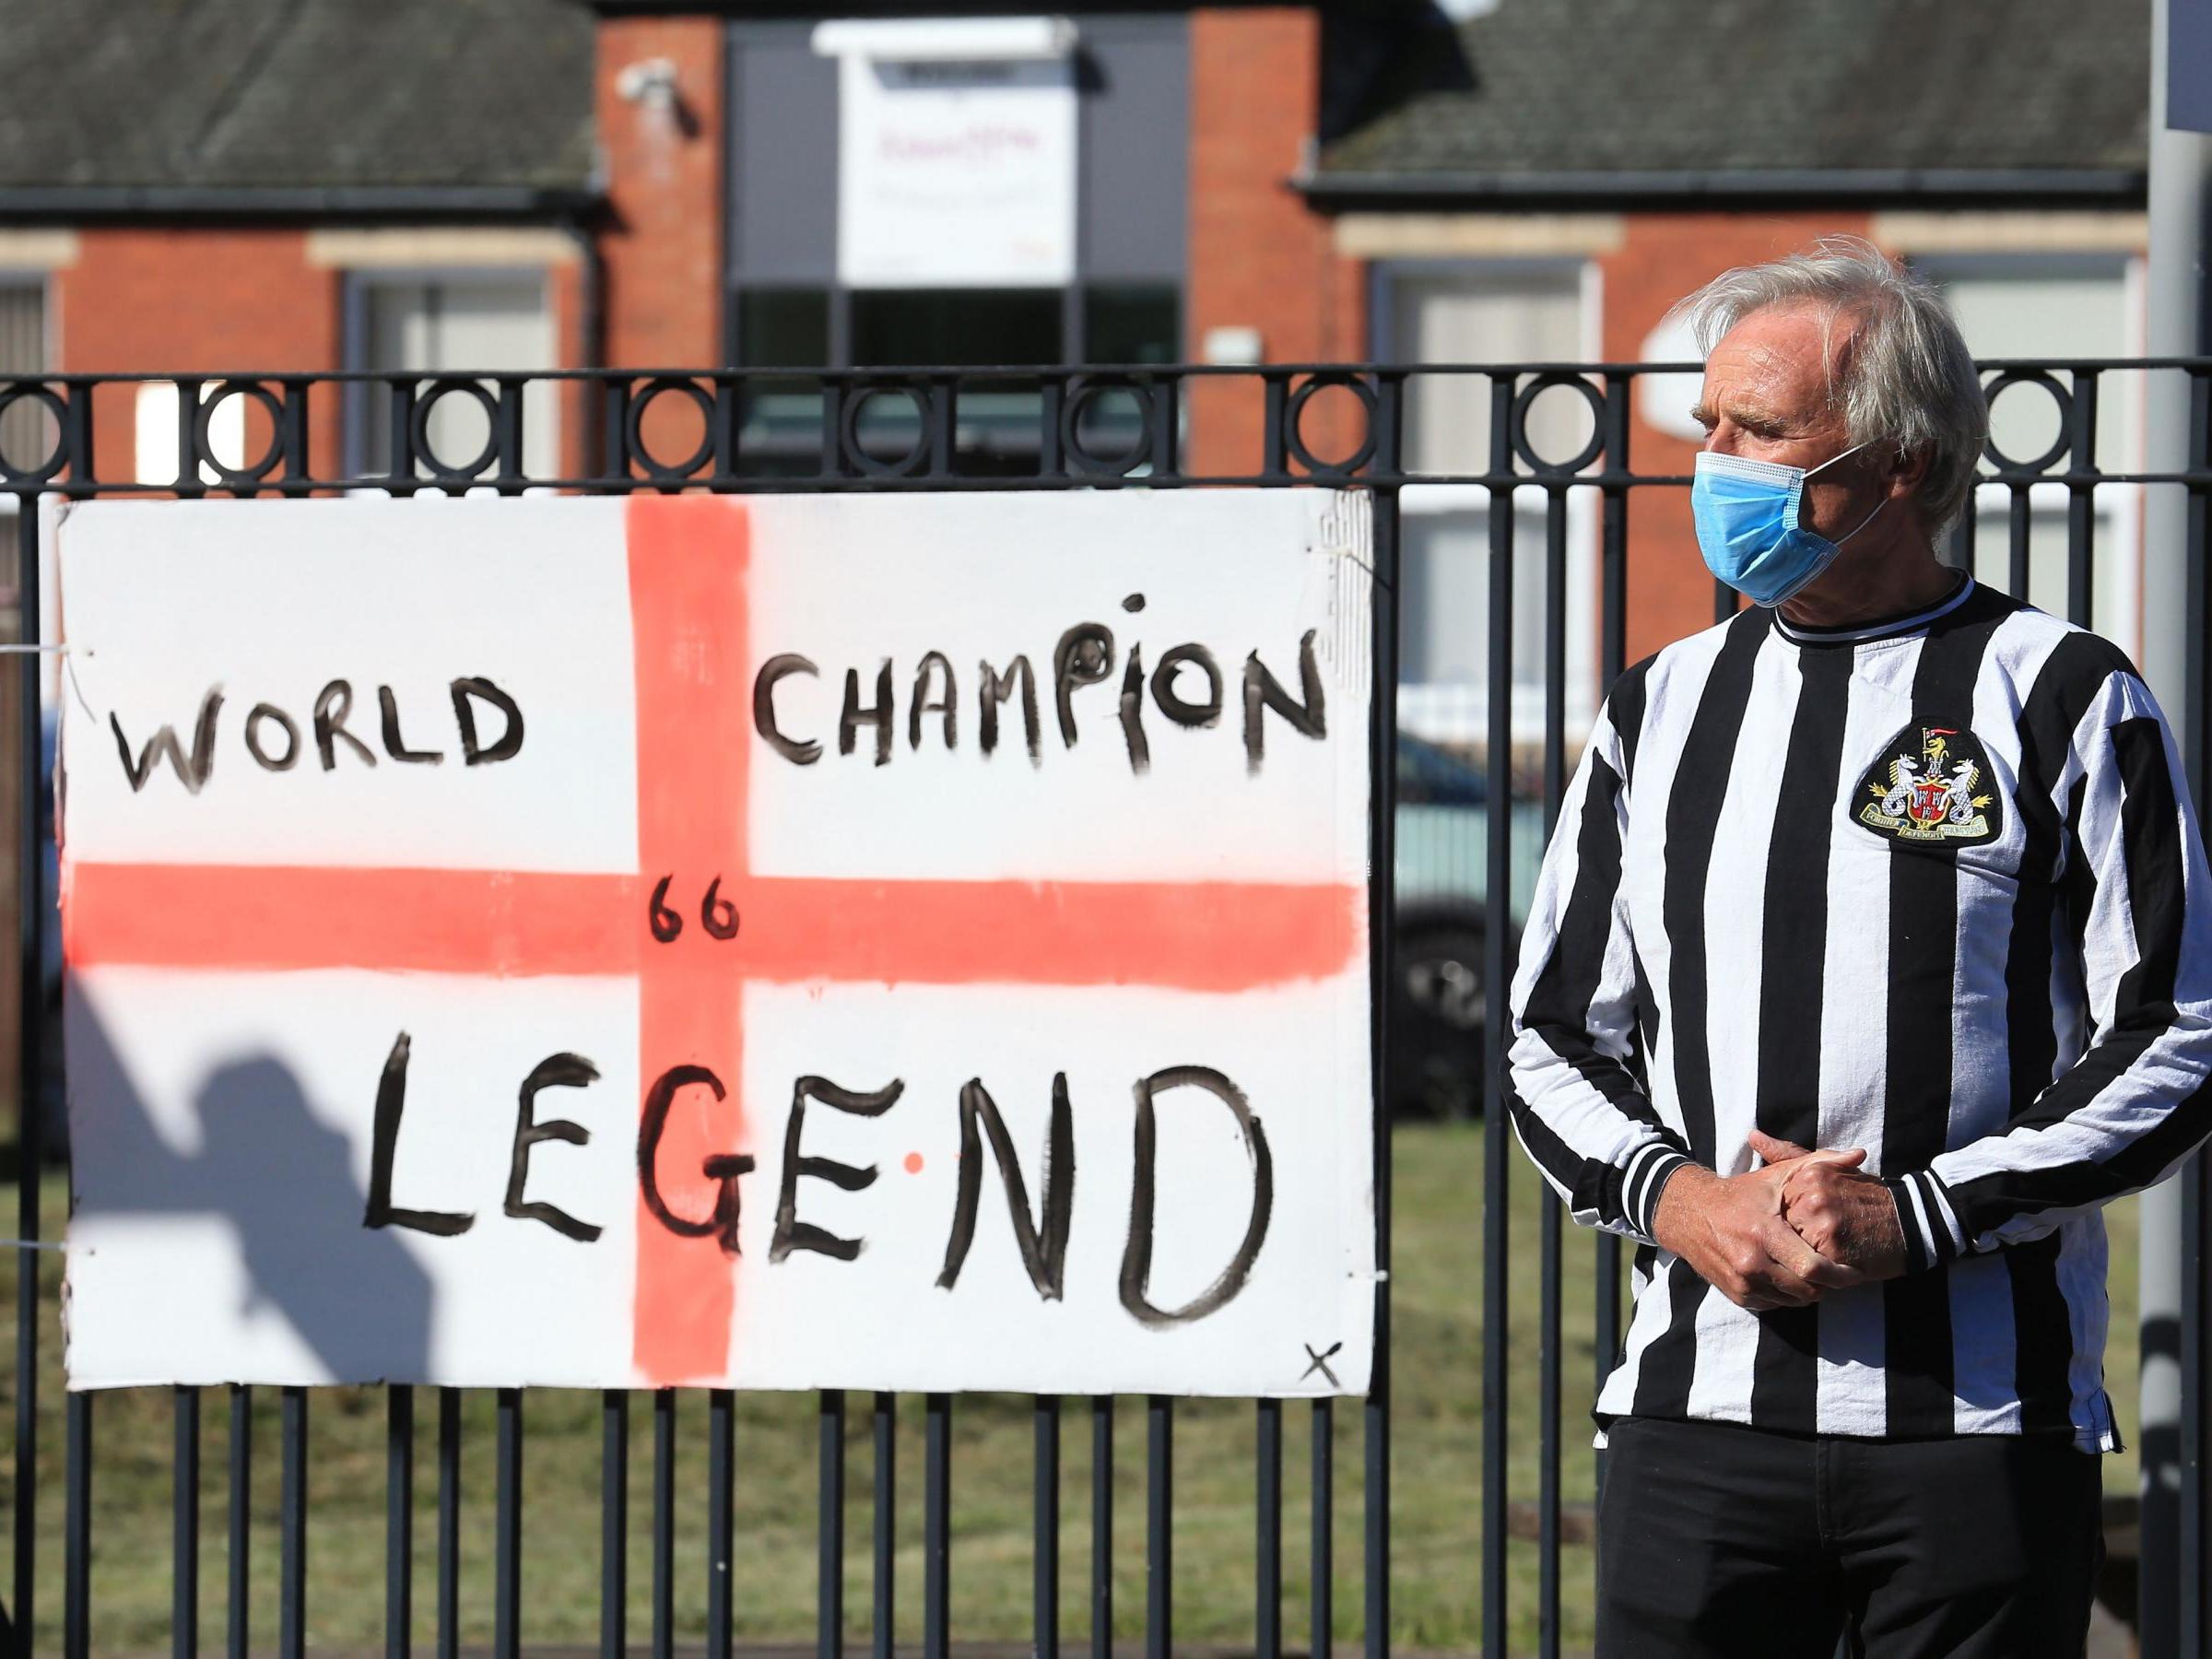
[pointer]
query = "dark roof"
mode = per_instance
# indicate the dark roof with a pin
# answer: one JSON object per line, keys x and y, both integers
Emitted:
{"x": 1903, "y": 96}
{"x": 297, "y": 95}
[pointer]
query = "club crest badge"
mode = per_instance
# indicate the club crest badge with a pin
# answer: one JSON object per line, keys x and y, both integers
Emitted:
{"x": 1932, "y": 787}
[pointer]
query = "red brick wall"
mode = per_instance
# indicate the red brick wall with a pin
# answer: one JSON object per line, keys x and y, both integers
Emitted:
{"x": 201, "y": 300}
{"x": 195, "y": 300}
{"x": 1663, "y": 257}
{"x": 1258, "y": 257}
{"x": 662, "y": 249}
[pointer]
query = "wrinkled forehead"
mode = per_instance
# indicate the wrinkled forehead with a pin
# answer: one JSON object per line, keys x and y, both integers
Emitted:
{"x": 1783, "y": 361}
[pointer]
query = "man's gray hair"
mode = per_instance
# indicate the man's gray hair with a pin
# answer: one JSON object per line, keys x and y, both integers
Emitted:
{"x": 1905, "y": 380}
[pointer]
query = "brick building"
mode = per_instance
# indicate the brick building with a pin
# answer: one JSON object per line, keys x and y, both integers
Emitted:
{"x": 422, "y": 185}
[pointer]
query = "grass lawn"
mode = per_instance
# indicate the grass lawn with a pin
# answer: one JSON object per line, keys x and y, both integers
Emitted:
{"x": 1436, "y": 1524}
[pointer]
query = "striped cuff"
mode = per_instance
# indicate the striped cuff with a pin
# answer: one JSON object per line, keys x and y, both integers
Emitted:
{"x": 1933, "y": 1235}
{"x": 1647, "y": 1168}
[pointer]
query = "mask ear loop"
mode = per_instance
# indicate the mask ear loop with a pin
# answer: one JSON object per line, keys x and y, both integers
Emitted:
{"x": 1869, "y": 519}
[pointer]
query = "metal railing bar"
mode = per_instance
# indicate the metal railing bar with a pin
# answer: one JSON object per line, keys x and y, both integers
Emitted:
{"x": 1613, "y": 655}
{"x": 30, "y": 979}
{"x": 1045, "y": 1542}
{"x": 937, "y": 1527}
{"x": 1020, "y": 373}
{"x": 614, "y": 1523}
{"x": 1497, "y": 967}
{"x": 1267, "y": 1543}
{"x": 1101, "y": 1526}
{"x": 399, "y": 1521}
{"x": 1321, "y": 1540}
{"x": 2020, "y": 569}
{"x": 883, "y": 1525}
{"x": 507, "y": 1527}
{"x": 1159, "y": 1526}
{"x": 291, "y": 1523}
{"x": 1382, "y": 905}
{"x": 76, "y": 1539}
{"x": 663, "y": 1523}
{"x": 238, "y": 1629}
{"x": 829, "y": 1571}
{"x": 185, "y": 1553}
{"x": 2081, "y": 502}
{"x": 449, "y": 1523}
{"x": 1550, "y": 1220}
{"x": 722, "y": 1432}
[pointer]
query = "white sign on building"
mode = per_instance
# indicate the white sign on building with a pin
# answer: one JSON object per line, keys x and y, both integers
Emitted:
{"x": 780, "y": 942}
{"x": 956, "y": 152}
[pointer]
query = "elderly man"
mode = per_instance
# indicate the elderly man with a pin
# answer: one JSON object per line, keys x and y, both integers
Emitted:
{"x": 1889, "y": 864}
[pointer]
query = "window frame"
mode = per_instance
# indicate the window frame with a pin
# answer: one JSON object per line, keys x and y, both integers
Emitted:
{"x": 1386, "y": 278}
{"x": 37, "y": 279}
{"x": 355, "y": 286}
{"x": 2118, "y": 532}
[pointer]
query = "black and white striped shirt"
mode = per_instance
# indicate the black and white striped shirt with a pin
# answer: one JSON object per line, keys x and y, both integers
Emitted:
{"x": 1933, "y": 888}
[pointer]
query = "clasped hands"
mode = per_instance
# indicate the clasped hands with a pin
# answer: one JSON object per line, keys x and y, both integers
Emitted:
{"x": 1803, "y": 1223}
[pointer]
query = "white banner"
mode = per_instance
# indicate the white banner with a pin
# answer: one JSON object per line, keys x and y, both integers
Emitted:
{"x": 786, "y": 942}
{"x": 952, "y": 171}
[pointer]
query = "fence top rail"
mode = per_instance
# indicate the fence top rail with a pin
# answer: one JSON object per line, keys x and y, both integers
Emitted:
{"x": 879, "y": 429}
{"x": 1000, "y": 371}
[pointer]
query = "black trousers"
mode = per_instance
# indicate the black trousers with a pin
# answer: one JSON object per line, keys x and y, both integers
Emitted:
{"x": 1719, "y": 1540}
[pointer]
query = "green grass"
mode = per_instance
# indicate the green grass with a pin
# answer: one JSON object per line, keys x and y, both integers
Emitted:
{"x": 1436, "y": 1522}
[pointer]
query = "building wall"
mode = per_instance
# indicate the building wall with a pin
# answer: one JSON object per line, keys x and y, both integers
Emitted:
{"x": 1259, "y": 258}
{"x": 660, "y": 247}
{"x": 185, "y": 301}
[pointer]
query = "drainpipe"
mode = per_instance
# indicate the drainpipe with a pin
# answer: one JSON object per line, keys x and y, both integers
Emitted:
{"x": 591, "y": 283}
{"x": 2173, "y": 1260}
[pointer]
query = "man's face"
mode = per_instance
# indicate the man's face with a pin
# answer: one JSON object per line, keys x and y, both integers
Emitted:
{"x": 1766, "y": 398}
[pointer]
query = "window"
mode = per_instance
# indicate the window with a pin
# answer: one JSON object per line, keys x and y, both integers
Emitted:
{"x": 1503, "y": 314}
{"x": 1131, "y": 325}
{"x": 2057, "y": 305}
{"x": 454, "y": 323}
{"x": 159, "y": 440}
{"x": 778, "y": 327}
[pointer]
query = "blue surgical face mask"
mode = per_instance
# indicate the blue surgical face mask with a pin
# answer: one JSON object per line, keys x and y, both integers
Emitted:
{"x": 1749, "y": 526}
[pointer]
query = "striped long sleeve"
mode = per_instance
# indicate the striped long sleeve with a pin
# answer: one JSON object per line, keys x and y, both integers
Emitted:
{"x": 2134, "y": 931}
{"x": 1578, "y": 1099}
{"x": 1927, "y": 886}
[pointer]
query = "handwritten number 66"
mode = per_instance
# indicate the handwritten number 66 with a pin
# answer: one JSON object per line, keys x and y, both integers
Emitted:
{"x": 716, "y": 914}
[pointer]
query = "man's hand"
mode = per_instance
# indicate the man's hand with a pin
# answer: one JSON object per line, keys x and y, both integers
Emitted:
{"x": 1732, "y": 1231}
{"x": 1841, "y": 1212}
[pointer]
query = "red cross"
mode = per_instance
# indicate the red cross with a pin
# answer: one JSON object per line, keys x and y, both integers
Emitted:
{"x": 688, "y": 560}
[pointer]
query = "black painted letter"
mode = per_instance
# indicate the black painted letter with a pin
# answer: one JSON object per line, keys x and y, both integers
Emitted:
{"x": 934, "y": 661}
{"x": 1170, "y": 702}
{"x": 555, "y": 1071}
{"x": 854, "y": 716}
{"x": 191, "y": 773}
{"x": 992, "y": 690}
{"x": 395, "y": 744}
{"x": 791, "y": 1232}
{"x": 1136, "y": 1258}
{"x": 391, "y": 1101}
{"x": 764, "y": 708}
{"x": 473, "y": 753}
{"x": 1083, "y": 658}
{"x": 1045, "y": 1257}
{"x": 724, "y": 1169}
{"x": 1262, "y": 688}
{"x": 333, "y": 703}
{"x": 291, "y": 738}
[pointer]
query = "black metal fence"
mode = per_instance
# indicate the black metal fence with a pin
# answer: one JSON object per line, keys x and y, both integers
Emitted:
{"x": 2035, "y": 529}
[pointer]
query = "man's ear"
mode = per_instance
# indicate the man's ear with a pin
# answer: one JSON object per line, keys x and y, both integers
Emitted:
{"x": 1907, "y": 472}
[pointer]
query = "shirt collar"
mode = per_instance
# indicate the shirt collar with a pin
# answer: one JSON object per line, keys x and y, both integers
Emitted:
{"x": 1886, "y": 627}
